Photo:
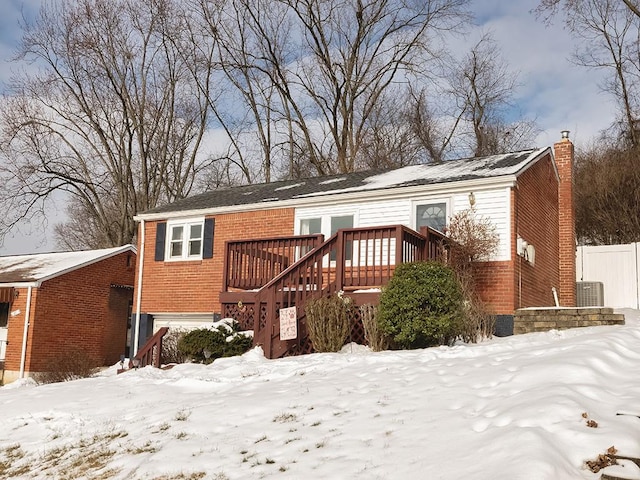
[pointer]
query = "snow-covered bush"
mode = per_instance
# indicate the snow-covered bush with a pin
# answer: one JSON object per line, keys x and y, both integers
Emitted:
{"x": 204, "y": 345}
{"x": 422, "y": 305}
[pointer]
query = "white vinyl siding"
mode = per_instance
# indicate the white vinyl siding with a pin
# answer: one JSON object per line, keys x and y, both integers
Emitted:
{"x": 494, "y": 205}
{"x": 489, "y": 203}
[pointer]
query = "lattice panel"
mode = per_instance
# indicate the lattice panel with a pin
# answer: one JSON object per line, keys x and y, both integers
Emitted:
{"x": 263, "y": 316}
{"x": 357, "y": 328}
{"x": 244, "y": 316}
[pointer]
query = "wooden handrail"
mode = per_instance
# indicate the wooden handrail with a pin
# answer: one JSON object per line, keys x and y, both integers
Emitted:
{"x": 151, "y": 351}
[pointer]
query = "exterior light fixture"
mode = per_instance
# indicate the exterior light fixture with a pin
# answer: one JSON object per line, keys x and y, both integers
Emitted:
{"x": 136, "y": 362}
{"x": 472, "y": 199}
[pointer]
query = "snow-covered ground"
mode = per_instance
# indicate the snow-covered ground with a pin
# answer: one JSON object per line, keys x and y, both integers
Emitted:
{"x": 508, "y": 408}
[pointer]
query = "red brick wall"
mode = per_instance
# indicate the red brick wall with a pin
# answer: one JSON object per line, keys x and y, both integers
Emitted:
{"x": 194, "y": 286}
{"x": 77, "y": 310}
{"x": 508, "y": 285}
{"x": 494, "y": 281}
{"x": 16, "y": 327}
{"x": 536, "y": 221}
{"x": 563, "y": 151}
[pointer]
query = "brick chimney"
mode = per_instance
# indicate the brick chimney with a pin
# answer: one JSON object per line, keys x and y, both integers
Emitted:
{"x": 563, "y": 151}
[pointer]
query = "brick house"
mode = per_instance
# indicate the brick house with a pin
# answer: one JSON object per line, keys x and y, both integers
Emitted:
{"x": 217, "y": 253}
{"x": 56, "y": 303}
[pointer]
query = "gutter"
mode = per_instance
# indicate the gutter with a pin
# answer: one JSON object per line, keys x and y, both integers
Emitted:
{"x": 23, "y": 356}
{"x": 136, "y": 334}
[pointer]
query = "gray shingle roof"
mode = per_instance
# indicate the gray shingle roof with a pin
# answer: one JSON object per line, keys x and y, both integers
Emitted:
{"x": 429, "y": 174}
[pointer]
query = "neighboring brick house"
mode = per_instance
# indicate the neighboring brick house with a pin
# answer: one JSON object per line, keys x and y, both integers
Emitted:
{"x": 68, "y": 302}
{"x": 185, "y": 262}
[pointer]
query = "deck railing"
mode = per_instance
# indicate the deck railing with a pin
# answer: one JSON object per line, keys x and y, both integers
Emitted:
{"x": 250, "y": 264}
{"x": 151, "y": 351}
{"x": 356, "y": 258}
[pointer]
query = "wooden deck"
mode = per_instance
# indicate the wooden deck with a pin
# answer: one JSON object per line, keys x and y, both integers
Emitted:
{"x": 262, "y": 276}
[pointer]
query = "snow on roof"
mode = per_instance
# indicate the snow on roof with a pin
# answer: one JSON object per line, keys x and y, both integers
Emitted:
{"x": 42, "y": 266}
{"x": 492, "y": 166}
{"x": 287, "y": 187}
{"x": 427, "y": 175}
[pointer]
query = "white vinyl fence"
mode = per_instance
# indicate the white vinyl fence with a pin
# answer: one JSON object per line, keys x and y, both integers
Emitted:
{"x": 617, "y": 267}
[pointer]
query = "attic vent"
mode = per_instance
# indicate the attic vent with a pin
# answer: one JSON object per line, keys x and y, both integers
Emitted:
{"x": 590, "y": 294}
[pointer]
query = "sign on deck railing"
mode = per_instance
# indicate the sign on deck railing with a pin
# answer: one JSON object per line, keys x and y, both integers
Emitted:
{"x": 288, "y": 323}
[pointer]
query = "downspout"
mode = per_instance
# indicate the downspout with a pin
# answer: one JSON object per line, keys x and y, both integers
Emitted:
{"x": 136, "y": 335}
{"x": 23, "y": 356}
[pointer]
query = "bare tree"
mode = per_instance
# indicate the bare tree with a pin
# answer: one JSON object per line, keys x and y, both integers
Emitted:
{"x": 312, "y": 73}
{"x": 389, "y": 140}
{"x": 478, "y": 98}
{"x": 608, "y": 31}
{"x": 112, "y": 117}
{"x": 433, "y": 123}
{"x": 484, "y": 87}
{"x": 607, "y": 195}
{"x": 355, "y": 50}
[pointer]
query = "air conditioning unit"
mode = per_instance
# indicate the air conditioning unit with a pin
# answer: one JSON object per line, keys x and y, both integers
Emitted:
{"x": 590, "y": 294}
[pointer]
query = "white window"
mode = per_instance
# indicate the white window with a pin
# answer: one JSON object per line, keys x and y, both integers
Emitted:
{"x": 184, "y": 240}
{"x": 432, "y": 215}
{"x": 309, "y": 226}
{"x": 328, "y": 225}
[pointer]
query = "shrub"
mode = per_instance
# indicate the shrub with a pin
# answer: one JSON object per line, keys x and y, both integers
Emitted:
{"x": 422, "y": 305}
{"x": 74, "y": 364}
{"x": 375, "y": 337}
{"x": 328, "y": 322}
{"x": 224, "y": 340}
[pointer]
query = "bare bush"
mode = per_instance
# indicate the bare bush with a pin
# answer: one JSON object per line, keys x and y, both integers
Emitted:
{"x": 478, "y": 322}
{"x": 375, "y": 337}
{"x": 75, "y": 364}
{"x": 475, "y": 239}
{"x": 170, "y": 351}
{"x": 328, "y": 322}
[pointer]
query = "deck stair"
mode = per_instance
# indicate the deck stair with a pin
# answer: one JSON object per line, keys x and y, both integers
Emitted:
{"x": 356, "y": 261}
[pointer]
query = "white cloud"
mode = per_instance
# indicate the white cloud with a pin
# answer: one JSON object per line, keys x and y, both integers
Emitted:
{"x": 555, "y": 91}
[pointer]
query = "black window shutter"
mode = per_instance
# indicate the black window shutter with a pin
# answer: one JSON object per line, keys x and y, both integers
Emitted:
{"x": 207, "y": 244}
{"x": 161, "y": 234}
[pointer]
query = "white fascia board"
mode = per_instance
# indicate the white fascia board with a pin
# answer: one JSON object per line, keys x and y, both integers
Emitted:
{"x": 20, "y": 284}
{"x": 320, "y": 199}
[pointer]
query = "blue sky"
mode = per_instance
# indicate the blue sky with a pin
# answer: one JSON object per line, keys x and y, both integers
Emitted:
{"x": 558, "y": 94}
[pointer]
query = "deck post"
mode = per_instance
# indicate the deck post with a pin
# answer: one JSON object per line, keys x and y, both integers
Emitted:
{"x": 399, "y": 245}
{"x": 225, "y": 268}
{"x": 340, "y": 259}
